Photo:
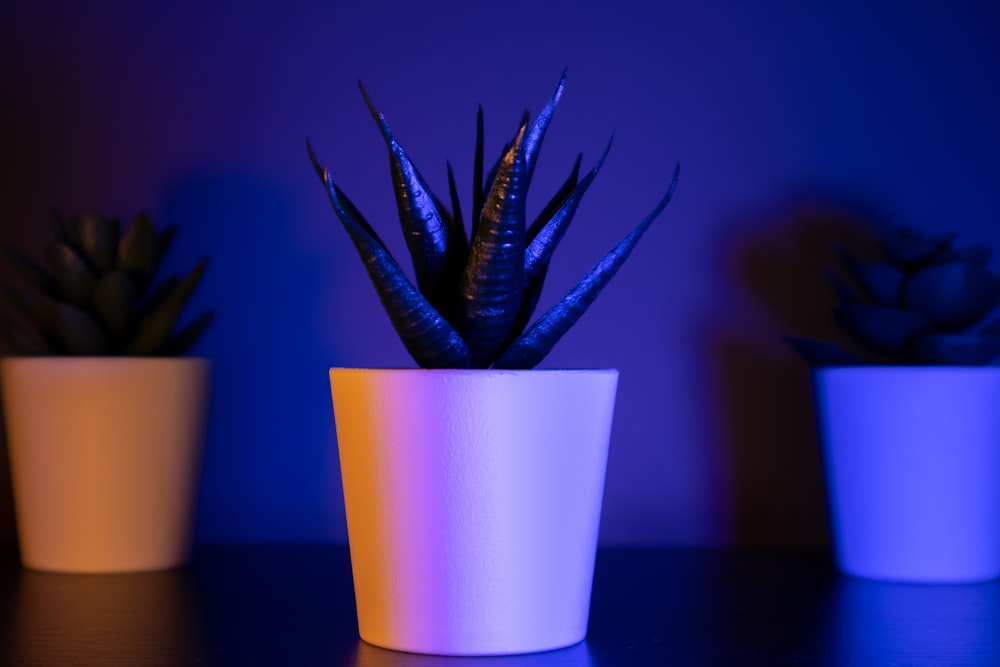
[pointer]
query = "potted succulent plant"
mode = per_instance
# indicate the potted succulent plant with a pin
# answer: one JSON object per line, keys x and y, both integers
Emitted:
{"x": 911, "y": 430}
{"x": 104, "y": 418}
{"x": 473, "y": 485}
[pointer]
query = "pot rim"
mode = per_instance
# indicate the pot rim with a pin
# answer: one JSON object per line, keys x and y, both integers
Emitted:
{"x": 905, "y": 369}
{"x": 474, "y": 371}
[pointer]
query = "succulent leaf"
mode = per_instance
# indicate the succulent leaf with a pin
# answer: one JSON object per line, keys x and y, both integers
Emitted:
{"x": 342, "y": 200}
{"x": 953, "y": 295}
{"x": 844, "y": 292}
{"x": 535, "y": 343}
{"x": 429, "y": 339}
{"x": 910, "y": 249}
{"x": 96, "y": 289}
{"x": 557, "y": 200}
{"x": 114, "y": 300}
{"x": 72, "y": 276}
{"x": 882, "y": 283}
{"x": 884, "y": 330}
{"x": 80, "y": 333}
{"x": 457, "y": 227}
{"x": 21, "y": 342}
{"x": 34, "y": 306}
{"x": 478, "y": 191}
{"x": 956, "y": 349}
{"x": 180, "y": 341}
{"x": 539, "y": 251}
{"x": 155, "y": 328}
{"x": 484, "y": 287}
{"x": 30, "y": 270}
{"x": 536, "y": 133}
{"x": 493, "y": 281}
{"x": 137, "y": 251}
{"x": 424, "y": 226}
{"x": 977, "y": 254}
{"x": 164, "y": 240}
{"x": 97, "y": 237}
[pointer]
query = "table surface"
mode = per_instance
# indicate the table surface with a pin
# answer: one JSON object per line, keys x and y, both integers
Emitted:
{"x": 294, "y": 605}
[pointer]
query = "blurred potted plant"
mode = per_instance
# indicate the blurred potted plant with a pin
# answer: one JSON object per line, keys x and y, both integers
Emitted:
{"x": 473, "y": 485}
{"x": 104, "y": 417}
{"x": 911, "y": 430}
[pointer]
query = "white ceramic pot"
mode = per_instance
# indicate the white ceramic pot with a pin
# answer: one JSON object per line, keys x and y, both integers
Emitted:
{"x": 473, "y": 501}
{"x": 105, "y": 457}
{"x": 913, "y": 470}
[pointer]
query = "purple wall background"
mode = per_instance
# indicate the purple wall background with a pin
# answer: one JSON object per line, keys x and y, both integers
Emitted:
{"x": 793, "y": 123}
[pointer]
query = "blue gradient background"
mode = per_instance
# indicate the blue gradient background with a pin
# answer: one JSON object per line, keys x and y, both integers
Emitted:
{"x": 794, "y": 123}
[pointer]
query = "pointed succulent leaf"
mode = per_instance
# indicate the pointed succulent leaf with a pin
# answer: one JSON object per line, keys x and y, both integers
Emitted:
{"x": 488, "y": 184}
{"x": 532, "y": 294}
{"x": 72, "y": 276}
{"x": 536, "y": 133}
{"x": 35, "y": 306}
{"x": 137, "y": 252}
{"x": 429, "y": 339}
{"x": 842, "y": 290}
{"x": 80, "y": 333}
{"x": 179, "y": 342}
{"x": 164, "y": 240}
{"x": 114, "y": 300}
{"x": 37, "y": 276}
{"x": 424, "y": 226}
{"x": 154, "y": 297}
{"x": 956, "y": 349}
{"x": 910, "y": 249}
{"x": 21, "y": 342}
{"x": 883, "y": 330}
{"x": 458, "y": 239}
{"x": 883, "y": 283}
{"x": 977, "y": 254}
{"x": 153, "y": 331}
{"x": 97, "y": 238}
{"x": 342, "y": 200}
{"x": 528, "y": 350}
{"x": 822, "y": 355}
{"x": 540, "y": 250}
{"x": 493, "y": 282}
{"x": 478, "y": 191}
{"x": 953, "y": 295}
{"x": 557, "y": 200}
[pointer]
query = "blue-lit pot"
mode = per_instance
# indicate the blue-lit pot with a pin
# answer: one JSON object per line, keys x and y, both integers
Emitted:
{"x": 913, "y": 470}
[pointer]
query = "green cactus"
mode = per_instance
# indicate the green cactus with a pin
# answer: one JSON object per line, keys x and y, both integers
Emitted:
{"x": 475, "y": 292}
{"x": 96, "y": 295}
{"x": 927, "y": 303}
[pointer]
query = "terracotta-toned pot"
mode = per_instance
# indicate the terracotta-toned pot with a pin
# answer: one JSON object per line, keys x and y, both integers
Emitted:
{"x": 105, "y": 457}
{"x": 473, "y": 501}
{"x": 913, "y": 470}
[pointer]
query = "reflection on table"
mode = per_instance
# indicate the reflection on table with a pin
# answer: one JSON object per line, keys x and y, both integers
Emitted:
{"x": 294, "y": 605}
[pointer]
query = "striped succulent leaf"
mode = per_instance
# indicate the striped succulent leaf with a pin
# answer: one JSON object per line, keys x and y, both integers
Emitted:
{"x": 476, "y": 291}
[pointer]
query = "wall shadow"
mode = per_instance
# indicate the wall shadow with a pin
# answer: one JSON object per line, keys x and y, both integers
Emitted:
{"x": 775, "y": 273}
{"x": 266, "y": 464}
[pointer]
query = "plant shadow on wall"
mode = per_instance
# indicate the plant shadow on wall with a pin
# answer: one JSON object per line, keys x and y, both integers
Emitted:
{"x": 774, "y": 269}
{"x": 265, "y": 462}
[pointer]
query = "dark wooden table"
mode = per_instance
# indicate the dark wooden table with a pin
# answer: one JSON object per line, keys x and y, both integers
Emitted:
{"x": 294, "y": 605}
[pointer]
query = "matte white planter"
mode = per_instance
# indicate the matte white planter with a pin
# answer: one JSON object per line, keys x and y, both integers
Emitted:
{"x": 105, "y": 458}
{"x": 913, "y": 470}
{"x": 473, "y": 501}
